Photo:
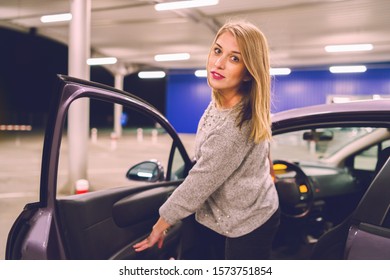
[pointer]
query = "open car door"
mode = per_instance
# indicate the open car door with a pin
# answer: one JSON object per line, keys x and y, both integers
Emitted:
{"x": 107, "y": 221}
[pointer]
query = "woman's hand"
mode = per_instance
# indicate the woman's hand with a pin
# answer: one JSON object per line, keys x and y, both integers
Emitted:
{"x": 157, "y": 235}
{"x": 153, "y": 238}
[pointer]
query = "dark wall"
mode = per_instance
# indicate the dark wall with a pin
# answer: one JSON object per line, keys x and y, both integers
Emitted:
{"x": 151, "y": 90}
{"x": 28, "y": 69}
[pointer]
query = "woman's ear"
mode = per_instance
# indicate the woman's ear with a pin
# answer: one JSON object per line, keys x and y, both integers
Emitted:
{"x": 247, "y": 78}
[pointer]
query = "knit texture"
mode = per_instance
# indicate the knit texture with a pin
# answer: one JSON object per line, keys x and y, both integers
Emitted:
{"x": 230, "y": 187}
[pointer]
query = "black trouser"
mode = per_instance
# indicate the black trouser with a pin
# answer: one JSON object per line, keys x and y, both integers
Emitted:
{"x": 255, "y": 245}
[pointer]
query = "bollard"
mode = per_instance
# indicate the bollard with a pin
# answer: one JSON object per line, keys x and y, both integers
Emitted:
{"x": 94, "y": 136}
{"x": 82, "y": 186}
{"x": 140, "y": 135}
{"x": 154, "y": 135}
{"x": 114, "y": 141}
{"x": 17, "y": 141}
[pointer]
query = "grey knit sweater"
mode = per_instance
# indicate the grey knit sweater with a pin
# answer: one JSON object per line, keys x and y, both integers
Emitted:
{"x": 230, "y": 187}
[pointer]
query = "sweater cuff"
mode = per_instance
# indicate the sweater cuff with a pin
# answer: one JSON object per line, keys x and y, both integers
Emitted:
{"x": 167, "y": 215}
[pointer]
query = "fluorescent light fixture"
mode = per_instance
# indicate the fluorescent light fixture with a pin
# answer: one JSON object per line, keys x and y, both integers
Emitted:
{"x": 56, "y": 18}
{"x": 201, "y": 73}
{"x": 172, "y": 57}
{"x": 348, "y": 69}
{"x": 280, "y": 71}
{"x": 349, "y": 48}
{"x": 184, "y": 4}
{"x": 101, "y": 60}
{"x": 151, "y": 74}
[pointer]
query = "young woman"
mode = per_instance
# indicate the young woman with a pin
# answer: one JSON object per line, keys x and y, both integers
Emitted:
{"x": 230, "y": 188}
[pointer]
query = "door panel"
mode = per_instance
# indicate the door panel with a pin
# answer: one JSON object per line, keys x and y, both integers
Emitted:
{"x": 367, "y": 242}
{"x": 104, "y": 224}
{"x": 139, "y": 207}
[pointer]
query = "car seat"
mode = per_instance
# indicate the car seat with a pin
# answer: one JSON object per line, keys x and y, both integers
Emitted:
{"x": 331, "y": 245}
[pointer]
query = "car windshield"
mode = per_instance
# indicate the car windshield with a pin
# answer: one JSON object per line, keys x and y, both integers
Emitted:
{"x": 316, "y": 144}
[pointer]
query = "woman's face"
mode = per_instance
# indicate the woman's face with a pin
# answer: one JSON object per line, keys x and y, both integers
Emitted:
{"x": 225, "y": 66}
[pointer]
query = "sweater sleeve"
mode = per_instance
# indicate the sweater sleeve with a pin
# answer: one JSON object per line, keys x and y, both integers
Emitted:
{"x": 220, "y": 156}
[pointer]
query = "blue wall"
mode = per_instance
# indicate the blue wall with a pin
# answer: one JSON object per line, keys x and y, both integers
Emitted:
{"x": 305, "y": 88}
{"x": 188, "y": 96}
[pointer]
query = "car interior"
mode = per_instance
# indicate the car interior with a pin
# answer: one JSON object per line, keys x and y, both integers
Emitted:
{"x": 338, "y": 187}
{"x": 331, "y": 245}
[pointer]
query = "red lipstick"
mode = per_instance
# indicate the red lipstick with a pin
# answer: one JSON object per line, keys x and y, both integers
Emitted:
{"x": 216, "y": 75}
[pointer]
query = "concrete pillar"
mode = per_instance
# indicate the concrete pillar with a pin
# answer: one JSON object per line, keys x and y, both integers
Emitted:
{"x": 120, "y": 71}
{"x": 78, "y": 119}
{"x": 118, "y": 109}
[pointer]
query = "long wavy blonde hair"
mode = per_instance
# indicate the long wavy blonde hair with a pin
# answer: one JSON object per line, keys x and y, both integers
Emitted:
{"x": 256, "y": 92}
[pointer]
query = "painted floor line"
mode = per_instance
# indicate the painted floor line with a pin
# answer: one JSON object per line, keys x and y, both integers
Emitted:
{"x": 17, "y": 195}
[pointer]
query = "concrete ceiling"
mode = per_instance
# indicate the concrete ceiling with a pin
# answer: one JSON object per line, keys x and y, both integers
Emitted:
{"x": 297, "y": 30}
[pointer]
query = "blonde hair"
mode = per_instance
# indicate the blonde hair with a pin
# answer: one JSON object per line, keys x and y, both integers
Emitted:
{"x": 256, "y": 98}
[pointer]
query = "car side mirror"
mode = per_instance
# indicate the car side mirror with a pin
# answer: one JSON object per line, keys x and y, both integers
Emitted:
{"x": 147, "y": 171}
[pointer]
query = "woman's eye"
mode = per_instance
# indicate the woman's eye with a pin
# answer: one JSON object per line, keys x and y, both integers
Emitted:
{"x": 217, "y": 50}
{"x": 235, "y": 59}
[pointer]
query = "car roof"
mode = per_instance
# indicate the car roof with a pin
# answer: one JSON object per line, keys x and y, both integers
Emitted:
{"x": 353, "y": 107}
{"x": 361, "y": 113}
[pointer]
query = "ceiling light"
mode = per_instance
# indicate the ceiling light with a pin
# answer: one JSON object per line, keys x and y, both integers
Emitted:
{"x": 151, "y": 74}
{"x": 172, "y": 57}
{"x": 349, "y": 48}
{"x": 184, "y": 4}
{"x": 280, "y": 71}
{"x": 201, "y": 73}
{"x": 101, "y": 60}
{"x": 348, "y": 69}
{"x": 56, "y": 18}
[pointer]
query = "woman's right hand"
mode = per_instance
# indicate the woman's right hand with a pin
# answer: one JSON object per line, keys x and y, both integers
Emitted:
{"x": 157, "y": 235}
{"x": 153, "y": 238}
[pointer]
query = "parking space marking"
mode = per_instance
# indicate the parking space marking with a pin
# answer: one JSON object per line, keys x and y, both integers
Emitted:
{"x": 17, "y": 195}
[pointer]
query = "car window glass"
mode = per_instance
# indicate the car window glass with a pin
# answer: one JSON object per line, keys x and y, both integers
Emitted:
{"x": 385, "y": 144}
{"x": 326, "y": 144}
{"x": 177, "y": 171}
{"x": 367, "y": 159}
{"x": 109, "y": 156}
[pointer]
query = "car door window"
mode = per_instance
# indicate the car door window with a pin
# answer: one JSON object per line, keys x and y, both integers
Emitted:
{"x": 109, "y": 157}
{"x": 178, "y": 167}
{"x": 331, "y": 145}
{"x": 368, "y": 158}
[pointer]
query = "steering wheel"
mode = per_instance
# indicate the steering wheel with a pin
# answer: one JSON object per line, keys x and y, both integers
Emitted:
{"x": 294, "y": 188}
